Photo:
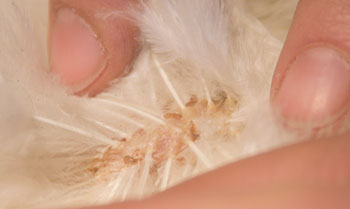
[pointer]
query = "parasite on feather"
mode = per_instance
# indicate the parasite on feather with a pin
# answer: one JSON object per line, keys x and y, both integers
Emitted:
{"x": 195, "y": 99}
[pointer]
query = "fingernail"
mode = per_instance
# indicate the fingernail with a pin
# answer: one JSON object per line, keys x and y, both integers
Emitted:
{"x": 316, "y": 87}
{"x": 77, "y": 56}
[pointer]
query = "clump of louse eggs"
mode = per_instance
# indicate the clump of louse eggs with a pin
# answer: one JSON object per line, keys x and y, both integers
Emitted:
{"x": 168, "y": 142}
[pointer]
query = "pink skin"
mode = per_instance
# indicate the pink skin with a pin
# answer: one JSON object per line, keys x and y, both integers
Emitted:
{"x": 77, "y": 55}
{"x": 311, "y": 175}
{"x": 311, "y": 83}
{"x": 316, "y": 87}
{"x": 318, "y": 24}
{"x": 86, "y": 52}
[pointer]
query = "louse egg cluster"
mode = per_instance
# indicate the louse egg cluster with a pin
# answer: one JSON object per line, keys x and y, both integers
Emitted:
{"x": 172, "y": 140}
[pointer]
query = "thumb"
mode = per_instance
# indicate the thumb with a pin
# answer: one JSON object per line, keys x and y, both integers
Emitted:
{"x": 88, "y": 46}
{"x": 312, "y": 78}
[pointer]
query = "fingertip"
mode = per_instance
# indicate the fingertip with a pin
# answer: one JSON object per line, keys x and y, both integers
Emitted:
{"x": 77, "y": 55}
{"x": 315, "y": 88}
{"x": 88, "y": 51}
{"x": 311, "y": 84}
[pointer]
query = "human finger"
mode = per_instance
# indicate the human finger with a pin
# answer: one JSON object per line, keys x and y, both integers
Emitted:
{"x": 313, "y": 175}
{"x": 312, "y": 78}
{"x": 91, "y": 42}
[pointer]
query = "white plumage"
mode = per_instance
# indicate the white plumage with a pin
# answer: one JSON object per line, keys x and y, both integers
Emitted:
{"x": 197, "y": 98}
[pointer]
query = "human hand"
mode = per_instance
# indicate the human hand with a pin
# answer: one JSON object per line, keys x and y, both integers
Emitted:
{"x": 311, "y": 83}
{"x": 88, "y": 49}
{"x": 312, "y": 175}
{"x": 312, "y": 78}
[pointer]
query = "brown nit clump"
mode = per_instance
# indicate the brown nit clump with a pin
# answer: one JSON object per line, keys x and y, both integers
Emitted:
{"x": 168, "y": 140}
{"x": 220, "y": 99}
{"x": 193, "y": 101}
{"x": 128, "y": 160}
{"x": 174, "y": 116}
{"x": 180, "y": 160}
{"x": 139, "y": 133}
{"x": 193, "y": 131}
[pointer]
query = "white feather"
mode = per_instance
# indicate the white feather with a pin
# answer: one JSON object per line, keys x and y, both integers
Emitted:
{"x": 60, "y": 150}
